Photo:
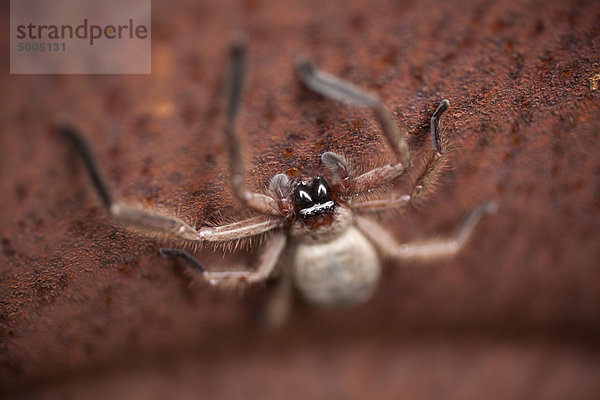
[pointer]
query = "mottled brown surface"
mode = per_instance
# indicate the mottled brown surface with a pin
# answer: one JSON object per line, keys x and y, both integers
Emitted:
{"x": 88, "y": 309}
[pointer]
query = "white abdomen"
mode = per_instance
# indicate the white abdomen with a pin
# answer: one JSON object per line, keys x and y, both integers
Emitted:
{"x": 341, "y": 272}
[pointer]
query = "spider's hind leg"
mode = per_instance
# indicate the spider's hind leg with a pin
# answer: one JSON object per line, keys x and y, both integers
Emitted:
{"x": 427, "y": 250}
{"x": 268, "y": 261}
{"x": 276, "y": 307}
{"x": 178, "y": 253}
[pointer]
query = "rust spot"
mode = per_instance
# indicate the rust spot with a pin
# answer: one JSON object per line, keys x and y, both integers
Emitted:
{"x": 357, "y": 125}
{"x": 270, "y": 114}
{"x": 251, "y": 5}
{"x": 388, "y": 58}
{"x": 449, "y": 56}
{"x": 288, "y": 152}
{"x": 126, "y": 266}
{"x": 196, "y": 67}
{"x": 525, "y": 102}
{"x": 499, "y": 24}
{"x": 466, "y": 41}
{"x": 45, "y": 291}
{"x": 293, "y": 172}
{"x": 377, "y": 87}
{"x": 188, "y": 113}
{"x": 555, "y": 170}
{"x": 145, "y": 171}
{"x": 508, "y": 46}
{"x": 539, "y": 27}
{"x": 594, "y": 82}
{"x": 357, "y": 23}
{"x": 558, "y": 149}
{"x": 417, "y": 73}
{"x": 7, "y": 248}
{"x": 566, "y": 73}
{"x": 21, "y": 191}
{"x": 321, "y": 120}
{"x": 114, "y": 101}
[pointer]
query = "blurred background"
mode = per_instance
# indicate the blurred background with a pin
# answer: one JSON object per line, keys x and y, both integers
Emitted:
{"x": 90, "y": 310}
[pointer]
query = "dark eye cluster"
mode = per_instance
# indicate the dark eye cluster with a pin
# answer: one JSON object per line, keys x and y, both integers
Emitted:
{"x": 314, "y": 199}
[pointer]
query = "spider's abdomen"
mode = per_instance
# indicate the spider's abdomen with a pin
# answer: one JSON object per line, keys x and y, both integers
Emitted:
{"x": 340, "y": 272}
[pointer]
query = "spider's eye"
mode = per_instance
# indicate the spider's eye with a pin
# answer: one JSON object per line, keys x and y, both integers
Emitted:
{"x": 321, "y": 191}
{"x": 302, "y": 197}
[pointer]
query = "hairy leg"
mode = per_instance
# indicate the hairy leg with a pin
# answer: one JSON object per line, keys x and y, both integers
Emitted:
{"x": 268, "y": 261}
{"x": 337, "y": 89}
{"x": 156, "y": 223}
{"x": 429, "y": 249}
{"x": 424, "y": 182}
{"x": 235, "y": 82}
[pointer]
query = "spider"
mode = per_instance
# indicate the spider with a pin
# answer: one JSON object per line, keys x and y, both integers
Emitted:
{"x": 321, "y": 237}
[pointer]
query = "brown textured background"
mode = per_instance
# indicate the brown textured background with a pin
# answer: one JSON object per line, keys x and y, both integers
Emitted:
{"x": 89, "y": 310}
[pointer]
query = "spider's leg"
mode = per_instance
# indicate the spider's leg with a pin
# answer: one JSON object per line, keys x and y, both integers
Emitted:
{"x": 156, "y": 223}
{"x": 268, "y": 261}
{"x": 128, "y": 215}
{"x": 335, "y": 88}
{"x": 426, "y": 250}
{"x": 235, "y": 82}
{"x": 436, "y": 138}
{"x": 84, "y": 150}
{"x": 241, "y": 229}
{"x": 424, "y": 182}
{"x": 277, "y": 306}
{"x": 190, "y": 259}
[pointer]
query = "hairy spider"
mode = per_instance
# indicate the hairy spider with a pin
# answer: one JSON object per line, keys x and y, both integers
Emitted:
{"x": 330, "y": 250}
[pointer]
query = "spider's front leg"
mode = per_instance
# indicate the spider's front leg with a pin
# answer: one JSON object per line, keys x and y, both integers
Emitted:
{"x": 337, "y": 89}
{"x": 235, "y": 83}
{"x": 424, "y": 183}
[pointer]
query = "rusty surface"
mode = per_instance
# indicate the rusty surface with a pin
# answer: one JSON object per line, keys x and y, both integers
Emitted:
{"x": 89, "y": 309}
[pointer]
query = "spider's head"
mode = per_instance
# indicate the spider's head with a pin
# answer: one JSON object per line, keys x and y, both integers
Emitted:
{"x": 313, "y": 200}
